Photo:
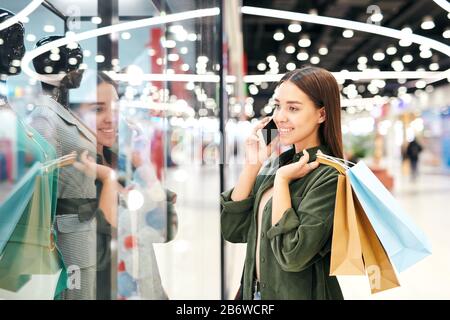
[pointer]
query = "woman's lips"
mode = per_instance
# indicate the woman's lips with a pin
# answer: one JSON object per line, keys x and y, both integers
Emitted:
{"x": 284, "y": 131}
{"x": 107, "y": 133}
{"x": 106, "y": 130}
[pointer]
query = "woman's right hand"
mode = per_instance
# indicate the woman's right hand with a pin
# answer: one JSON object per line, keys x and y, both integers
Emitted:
{"x": 256, "y": 152}
{"x": 92, "y": 169}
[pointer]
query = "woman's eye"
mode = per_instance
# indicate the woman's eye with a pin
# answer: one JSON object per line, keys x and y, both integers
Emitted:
{"x": 293, "y": 109}
{"x": 277, "y": 106}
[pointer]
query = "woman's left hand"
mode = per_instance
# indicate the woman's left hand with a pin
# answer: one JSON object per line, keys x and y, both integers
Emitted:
{"x": 297, "y": 169}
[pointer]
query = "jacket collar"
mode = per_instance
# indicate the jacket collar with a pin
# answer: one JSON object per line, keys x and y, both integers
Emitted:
{"x": 67, "y": 116}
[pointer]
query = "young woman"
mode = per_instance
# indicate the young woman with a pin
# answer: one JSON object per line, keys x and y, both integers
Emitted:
{"x": 285, "y": 212}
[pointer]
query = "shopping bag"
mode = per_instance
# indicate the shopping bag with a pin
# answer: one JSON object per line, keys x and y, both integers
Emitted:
{"x": 31, "y": 251}
{"x": 346, "y": 252}
{"x": 31, "y": 248}
{"x": 403, "y": 241}
{"x": 13, "y": 206}
{"x": 379, "y": 269}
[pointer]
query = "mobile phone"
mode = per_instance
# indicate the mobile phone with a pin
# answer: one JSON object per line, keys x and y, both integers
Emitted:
{"x": 270, "y": 131}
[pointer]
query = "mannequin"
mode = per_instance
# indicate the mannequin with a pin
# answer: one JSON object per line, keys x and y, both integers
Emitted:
{"x": 20, "y": 257}
{"x": 76, "y": 204}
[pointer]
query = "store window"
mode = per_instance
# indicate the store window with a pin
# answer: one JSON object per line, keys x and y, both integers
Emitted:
{"x": 137, "y": 217}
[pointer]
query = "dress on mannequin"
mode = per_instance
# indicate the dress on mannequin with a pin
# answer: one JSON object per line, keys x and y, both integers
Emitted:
{"x": 28, "y": 198}
{"x": 76, "y": 205}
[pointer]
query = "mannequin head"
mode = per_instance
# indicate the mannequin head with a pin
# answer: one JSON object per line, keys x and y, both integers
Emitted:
{"x": 12, "y": 48}
{"x": 65, "y": 61}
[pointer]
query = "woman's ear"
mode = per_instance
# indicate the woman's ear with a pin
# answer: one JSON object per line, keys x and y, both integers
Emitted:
{"x": 322, "y": 115}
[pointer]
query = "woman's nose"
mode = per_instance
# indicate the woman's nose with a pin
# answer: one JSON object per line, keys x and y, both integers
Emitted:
{"x": 109, "y": 117}
{"x": 280, "y": 116}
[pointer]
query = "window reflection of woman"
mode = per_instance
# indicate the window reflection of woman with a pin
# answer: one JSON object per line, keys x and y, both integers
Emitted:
{"x": 100, "y": 115}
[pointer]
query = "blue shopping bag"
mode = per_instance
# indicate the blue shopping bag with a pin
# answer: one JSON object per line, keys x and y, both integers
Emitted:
{"x": 12, "y": 208}
{"x": 403, "y": 241}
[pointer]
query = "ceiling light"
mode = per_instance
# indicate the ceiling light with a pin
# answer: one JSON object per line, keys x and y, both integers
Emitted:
{"x": 290, "y": 49}
{"x": 125, "y": 35}
{"x": 427, "y": 23}
{"x": 362, "y": 60}
{"x": 192, "y": 37}
{"x": 31, "y": 37}
{"x": 271, "y": 58}
{"x": 278, "y": 36}
{"x": 405, "y": 41}
{"x": 99, "y": 58}
{"x": 420, "y": 84}
{"x": 425, "y": 54}
{"x": 434, "y": 66}
{"x": 391, "y": 50}
{"x": 273, "y": 65}
{"x": 295, "y": 27}
{"x": 261, "y": 66}
{"x": 291, "y": 66}
{"x": 407, "y": 58}
{"x": 378, "y": 56}
{"x": 446, "y": 34}
{"x": 347, "y": 33}
{"x": 376, "y": 17}
{"x": 302, "y": 56}
{"x": 315, "y": 59}
{"x": 185, "y": 67}
{"x": 202, "y": 59}
{"x": 407, "y": 30}
{"x": 169, "y": 43}
{"x": 345, "y": 23}
{"x": 49, "y": 28}
{"x": 323, "y": 50}
{"x": 361, "y": 67}
{"x": 397, "y": 65}
{"x": 402, "y": 90}
{"x": 173, "y": 57}
{"x": 304, "y": 42}
{"x": 253, "y": 89}
{"x": 96, "y": 20}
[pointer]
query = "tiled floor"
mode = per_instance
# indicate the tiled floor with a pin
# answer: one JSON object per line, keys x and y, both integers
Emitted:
{"x": 190, "y": 265}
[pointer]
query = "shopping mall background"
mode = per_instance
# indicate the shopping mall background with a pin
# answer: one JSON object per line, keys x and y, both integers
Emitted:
{"x": 187, "y": 83}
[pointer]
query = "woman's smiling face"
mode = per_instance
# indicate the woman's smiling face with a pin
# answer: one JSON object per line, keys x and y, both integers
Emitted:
{"x": 296, "y": 116}
{"x": 106, "y": 114}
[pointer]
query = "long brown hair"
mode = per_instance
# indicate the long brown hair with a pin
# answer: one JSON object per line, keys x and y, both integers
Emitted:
{"x": 322, "y": 88}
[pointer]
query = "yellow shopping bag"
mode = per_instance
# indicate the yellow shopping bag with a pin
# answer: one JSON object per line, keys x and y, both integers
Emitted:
{"x": 356, "y": 249}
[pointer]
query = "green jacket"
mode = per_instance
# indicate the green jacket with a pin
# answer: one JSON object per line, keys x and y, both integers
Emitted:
{"x": 294, "y": 253}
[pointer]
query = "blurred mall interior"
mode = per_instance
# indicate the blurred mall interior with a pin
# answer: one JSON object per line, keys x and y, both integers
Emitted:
{"x": 191, "y": 78}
